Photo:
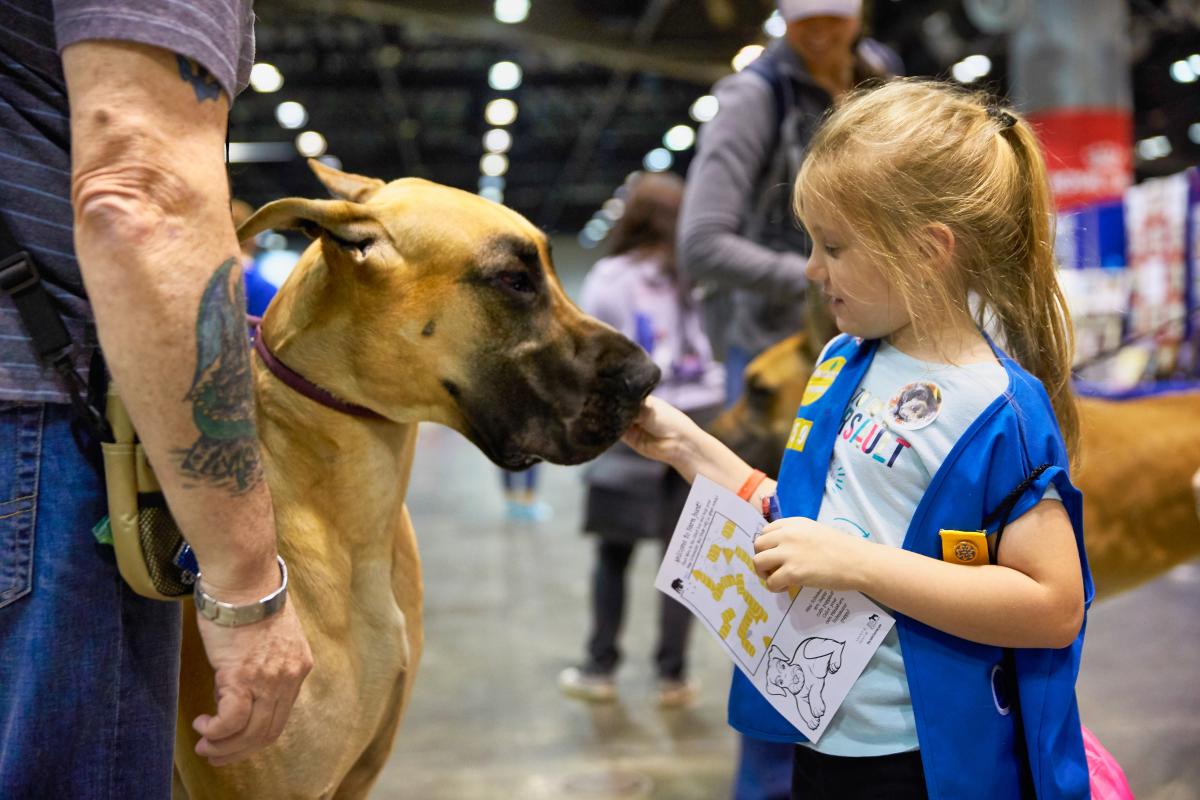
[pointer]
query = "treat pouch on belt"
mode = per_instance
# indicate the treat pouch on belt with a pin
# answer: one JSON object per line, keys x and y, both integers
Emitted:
{"x": 960, "y": 693}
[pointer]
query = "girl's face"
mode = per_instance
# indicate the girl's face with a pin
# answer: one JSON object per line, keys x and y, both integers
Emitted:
{"x": 860, "y": 297}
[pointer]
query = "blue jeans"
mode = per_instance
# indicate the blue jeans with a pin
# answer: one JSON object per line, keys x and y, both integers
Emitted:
{"x": 736, "y": 361}
{"x": 88, "y": 670}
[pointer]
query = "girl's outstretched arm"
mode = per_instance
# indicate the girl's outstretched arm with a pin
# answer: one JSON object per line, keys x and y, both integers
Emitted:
{"x": 664, "y": 433}
{"x": 1032, "y": 598}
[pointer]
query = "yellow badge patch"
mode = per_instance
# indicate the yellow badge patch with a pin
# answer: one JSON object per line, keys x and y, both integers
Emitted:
{"x": 822, "y": 379}
{"x": 965, "y": 547}
{"x": 799, "y": 434}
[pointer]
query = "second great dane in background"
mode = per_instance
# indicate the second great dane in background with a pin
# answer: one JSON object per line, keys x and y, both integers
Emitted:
{"x": 415, "y": 302}
{"x": 1137, "y": 459}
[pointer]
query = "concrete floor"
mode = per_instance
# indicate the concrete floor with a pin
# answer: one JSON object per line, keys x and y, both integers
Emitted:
{"x": 506, "y": 610}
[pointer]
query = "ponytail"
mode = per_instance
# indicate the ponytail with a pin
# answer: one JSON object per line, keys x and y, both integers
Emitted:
{"x": 1027, "y": 299}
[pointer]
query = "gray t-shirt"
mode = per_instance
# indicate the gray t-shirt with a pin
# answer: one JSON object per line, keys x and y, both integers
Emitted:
{"x": 35, "y": 141}
{"x": 901, "y": 423}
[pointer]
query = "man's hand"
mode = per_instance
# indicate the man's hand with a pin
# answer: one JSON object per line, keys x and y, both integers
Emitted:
{"x": 259, "y": 669}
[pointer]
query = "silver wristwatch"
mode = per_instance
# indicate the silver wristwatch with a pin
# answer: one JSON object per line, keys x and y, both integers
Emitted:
{"x": 229, "y": 615}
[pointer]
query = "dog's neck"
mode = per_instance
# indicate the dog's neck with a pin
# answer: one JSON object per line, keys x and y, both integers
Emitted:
{"x": 315, "y": 456}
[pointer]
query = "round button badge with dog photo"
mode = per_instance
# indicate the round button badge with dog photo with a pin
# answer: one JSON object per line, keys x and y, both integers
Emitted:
{"x": 915, "y": 405}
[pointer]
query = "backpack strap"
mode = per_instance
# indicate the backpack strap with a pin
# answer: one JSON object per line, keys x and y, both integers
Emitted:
{"x": 21, "y": 281}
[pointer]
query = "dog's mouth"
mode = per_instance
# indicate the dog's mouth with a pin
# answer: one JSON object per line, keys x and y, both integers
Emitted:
{"x": 516, "y": 441}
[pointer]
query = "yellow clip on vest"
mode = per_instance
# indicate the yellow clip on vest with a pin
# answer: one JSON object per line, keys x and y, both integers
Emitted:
{"x": 965, "y": 547}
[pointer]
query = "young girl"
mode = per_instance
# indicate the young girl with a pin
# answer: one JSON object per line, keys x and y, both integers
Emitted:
{"x": 931, "y": 221}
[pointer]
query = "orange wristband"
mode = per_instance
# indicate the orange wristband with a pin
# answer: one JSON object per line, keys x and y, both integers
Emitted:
{"x": 747, "y": 490}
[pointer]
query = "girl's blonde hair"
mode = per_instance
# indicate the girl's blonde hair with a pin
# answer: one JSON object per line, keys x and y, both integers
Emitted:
{"x": 897, "y": 160}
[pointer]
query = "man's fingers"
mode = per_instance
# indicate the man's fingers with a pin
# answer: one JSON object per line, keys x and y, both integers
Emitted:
{"x": 246, "y": 741}
{"x": 233, "y": 712}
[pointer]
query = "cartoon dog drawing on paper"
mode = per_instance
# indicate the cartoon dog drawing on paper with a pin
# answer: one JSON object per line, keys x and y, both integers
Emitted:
{"x": 803, "y": 675}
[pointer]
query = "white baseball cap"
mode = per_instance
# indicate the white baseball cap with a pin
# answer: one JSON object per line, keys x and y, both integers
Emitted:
{"x": 792, "y": 10}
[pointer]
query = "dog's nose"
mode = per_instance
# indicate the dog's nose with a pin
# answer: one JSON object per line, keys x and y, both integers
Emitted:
{"x": 641, "y": 378}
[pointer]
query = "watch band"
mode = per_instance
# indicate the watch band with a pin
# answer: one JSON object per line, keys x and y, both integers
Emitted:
{"x": 230, "y": 615}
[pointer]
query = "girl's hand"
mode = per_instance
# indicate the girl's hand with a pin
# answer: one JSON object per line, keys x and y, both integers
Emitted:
{"x": 661, "y": 432}
{"x": 797, "y": 551}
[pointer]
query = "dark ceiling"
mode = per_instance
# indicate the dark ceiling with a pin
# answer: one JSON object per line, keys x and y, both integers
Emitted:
{"x": 399, "y": 88}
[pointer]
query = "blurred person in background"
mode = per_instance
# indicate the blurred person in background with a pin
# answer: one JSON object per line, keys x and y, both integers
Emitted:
{"x": 638, "y": 291}
{"x": 259, "y": 290}
{"x": 520, "y": 496}
{"x": 738, "y": 238}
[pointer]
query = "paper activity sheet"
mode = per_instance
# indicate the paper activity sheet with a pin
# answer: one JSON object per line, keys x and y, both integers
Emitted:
{"x": 803, "y": 648}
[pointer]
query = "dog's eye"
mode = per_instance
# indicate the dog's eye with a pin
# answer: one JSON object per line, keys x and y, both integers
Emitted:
{"x": 360, "y": 246}
{"x": 516, "y": 282}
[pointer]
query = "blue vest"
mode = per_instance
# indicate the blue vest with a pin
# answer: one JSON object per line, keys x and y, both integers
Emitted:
{"x": 965, "y": 731}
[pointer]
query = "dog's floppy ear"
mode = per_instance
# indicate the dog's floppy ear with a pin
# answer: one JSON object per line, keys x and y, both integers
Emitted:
{"x": 345, "y": 185}
{"x": 350, "y": 226}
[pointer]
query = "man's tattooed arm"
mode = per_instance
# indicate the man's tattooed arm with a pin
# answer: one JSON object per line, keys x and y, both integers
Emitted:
{"x": 226, "y": 453}
{"x": 203, "y": 83}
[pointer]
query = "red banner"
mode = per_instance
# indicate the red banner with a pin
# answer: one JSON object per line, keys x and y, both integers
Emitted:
{"x": 1088, "y": 151}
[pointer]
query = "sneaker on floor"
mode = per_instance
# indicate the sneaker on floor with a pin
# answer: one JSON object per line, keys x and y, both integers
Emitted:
{"x": 595, "y": 687}
{"x": 677, "y": 692}
{"x": 528, "y": 512}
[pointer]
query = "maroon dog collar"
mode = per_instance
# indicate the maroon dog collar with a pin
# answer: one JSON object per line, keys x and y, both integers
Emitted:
{"x": 306, "y": 387}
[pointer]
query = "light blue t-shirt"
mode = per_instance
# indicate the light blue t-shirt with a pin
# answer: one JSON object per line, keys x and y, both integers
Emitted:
{"x": 901, "y": 423}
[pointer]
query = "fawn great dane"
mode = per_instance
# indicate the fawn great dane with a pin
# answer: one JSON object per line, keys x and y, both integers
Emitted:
{"x": 1138, "y": 458}
{"x": 420, "y": 303}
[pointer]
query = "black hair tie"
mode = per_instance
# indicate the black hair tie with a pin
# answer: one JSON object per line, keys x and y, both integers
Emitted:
{"x": 1005, "y": 119}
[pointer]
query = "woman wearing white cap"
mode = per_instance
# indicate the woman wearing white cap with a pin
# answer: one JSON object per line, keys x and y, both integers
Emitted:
{"x": 737, "y": 235}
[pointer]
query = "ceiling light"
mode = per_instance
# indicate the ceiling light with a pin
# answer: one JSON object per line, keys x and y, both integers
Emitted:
{"x": 971, "y": 68}
{"x": 596, "y": 229}
{"x": 775, "y": 26}
{"x": 265, "y": 78}
{"x": 511, "y": 11}
{"x": 310, "y": 144}
{"x": 492, "y": 193}
{"x": 1182, "y": 72}
{"x": 680, "y": 137}
{"x": 746, "y": 55}
{"x": 249, "y": 152}
{"x": 500, "y": 112}
{"x": 1154, "y": 147}
{"x": 495, "y": 181}
{"x": 497, "y": 140}
{"x": 291, "y": 115}
{"x": 614, "y": 207}
{"x": 979, "y": 64}
{"x": 586, "y": 242}
{"x": 331, "y": 161}
{"x": 705, "y": 108}
{"x": 1194, "y": 132}
{"x": 493, "y": 164}
{"x": 504, "y": 75}
{"x": 658, "y": 159}
{"x": 1194, "y": 62}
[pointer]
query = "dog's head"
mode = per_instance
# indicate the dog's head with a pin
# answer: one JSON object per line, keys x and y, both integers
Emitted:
{"x": 782, "y": 675}
{"x": 757, "y": 426}
{"x": 423, "y": 302}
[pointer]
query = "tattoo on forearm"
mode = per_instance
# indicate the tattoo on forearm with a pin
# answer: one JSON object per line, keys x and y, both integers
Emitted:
{"x": 203, "y": 83}
{"x": 226, "y": 455}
